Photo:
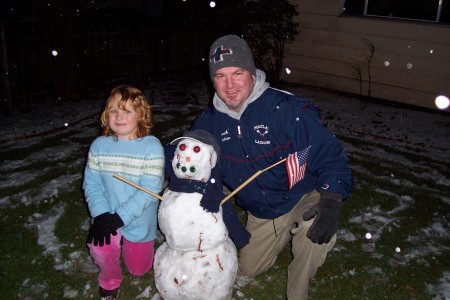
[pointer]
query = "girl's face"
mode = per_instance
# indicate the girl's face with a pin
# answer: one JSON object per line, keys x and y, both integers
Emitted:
{"x": 122, "y": 122}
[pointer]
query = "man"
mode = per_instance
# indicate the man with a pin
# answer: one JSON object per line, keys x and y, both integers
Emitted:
{"x": 256, "y": 127}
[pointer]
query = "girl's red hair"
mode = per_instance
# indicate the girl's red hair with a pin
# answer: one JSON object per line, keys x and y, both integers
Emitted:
{"x": 138, "y": 101}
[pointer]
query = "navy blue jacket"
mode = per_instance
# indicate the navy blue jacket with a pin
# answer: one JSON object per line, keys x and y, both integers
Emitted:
{"x": 273, "y": 126}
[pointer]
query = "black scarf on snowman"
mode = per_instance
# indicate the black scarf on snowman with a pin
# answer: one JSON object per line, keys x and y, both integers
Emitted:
{"x": 212, "y": 192}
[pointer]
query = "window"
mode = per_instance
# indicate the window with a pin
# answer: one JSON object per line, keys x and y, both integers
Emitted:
{"x": 422, "y": 10}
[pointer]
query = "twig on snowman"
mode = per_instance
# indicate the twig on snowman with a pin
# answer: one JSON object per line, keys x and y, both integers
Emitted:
{"x": 223, "y": 200}
{"x": 138, "y": 187}
{"x": 249, "y": 180}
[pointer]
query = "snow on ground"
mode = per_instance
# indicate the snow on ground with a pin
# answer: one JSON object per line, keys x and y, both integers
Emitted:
{"x": 414, "y": 130}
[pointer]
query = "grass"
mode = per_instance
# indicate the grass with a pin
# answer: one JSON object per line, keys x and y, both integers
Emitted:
{"x": 382, "y": 185}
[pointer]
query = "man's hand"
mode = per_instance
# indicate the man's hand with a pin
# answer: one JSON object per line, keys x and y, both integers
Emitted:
{"x": 327, "y": 212}
{"x": 104, "y": 225}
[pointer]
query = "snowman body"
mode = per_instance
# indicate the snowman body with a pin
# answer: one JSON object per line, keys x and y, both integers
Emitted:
{"x": 198, "y": 260}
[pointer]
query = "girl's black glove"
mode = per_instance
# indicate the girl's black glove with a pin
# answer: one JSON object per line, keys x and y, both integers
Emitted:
{"x": 104, "y": 225}
{"x": 327, "y": 212}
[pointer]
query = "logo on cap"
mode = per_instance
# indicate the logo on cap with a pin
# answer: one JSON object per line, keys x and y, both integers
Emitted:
{"x": 219, "y": 53}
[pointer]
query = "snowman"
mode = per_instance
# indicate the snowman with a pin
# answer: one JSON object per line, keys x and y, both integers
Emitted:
{"x": 198, "y": 260}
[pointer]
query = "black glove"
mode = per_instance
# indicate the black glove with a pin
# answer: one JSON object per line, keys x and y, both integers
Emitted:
{"x": 213, "y": 194}
{"x": 237, "y": 231}
{"x": 327, "y": 212}
{"x": 104, "y": 225}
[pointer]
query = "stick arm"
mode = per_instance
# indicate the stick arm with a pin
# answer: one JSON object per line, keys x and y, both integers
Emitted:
{"x": 138, "y": 187}
{"x": 221, "y": 202}
{"x": 249, "y": 180}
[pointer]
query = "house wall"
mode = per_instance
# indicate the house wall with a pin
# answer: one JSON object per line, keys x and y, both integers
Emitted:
{"x": 410, "y": 64}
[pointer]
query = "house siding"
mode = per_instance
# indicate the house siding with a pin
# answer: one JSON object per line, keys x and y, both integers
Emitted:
{"x": 410, "y": 64}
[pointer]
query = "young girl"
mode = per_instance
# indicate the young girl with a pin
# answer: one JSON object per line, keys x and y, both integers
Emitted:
{"x": 120, "y": 212}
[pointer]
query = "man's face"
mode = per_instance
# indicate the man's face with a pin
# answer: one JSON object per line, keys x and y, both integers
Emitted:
{"x": 234, "y": 86}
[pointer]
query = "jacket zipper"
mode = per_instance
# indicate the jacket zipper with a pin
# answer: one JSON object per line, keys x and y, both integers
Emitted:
{"x": 239, "y": 131}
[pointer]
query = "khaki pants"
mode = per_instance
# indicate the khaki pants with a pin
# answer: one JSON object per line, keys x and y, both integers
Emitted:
{"x": 269, "y": 237}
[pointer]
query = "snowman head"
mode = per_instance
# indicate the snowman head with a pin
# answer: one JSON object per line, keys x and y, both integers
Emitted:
{"x": 195, "y": 155}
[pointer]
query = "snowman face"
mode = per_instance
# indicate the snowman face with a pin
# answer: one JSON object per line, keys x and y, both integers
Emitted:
{"x": 193, "y": 160}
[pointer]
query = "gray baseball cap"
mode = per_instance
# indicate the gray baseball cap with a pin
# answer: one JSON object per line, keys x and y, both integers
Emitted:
{"x": 199, "y": 135}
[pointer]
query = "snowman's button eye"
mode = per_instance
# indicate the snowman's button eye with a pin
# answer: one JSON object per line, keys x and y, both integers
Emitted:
{"x": 196, "y": 149}
{"x": 178, "y": 165}
{"x": 184, "y": 169}
{"x": 182, "y": 147}
{"x": 192, "y": 169}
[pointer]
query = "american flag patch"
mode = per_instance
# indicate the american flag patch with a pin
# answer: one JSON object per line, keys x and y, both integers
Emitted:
{"x": 296, "y": 166}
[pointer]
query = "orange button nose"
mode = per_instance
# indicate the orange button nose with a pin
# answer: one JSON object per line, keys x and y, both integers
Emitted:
{"x": 188, "y": 159}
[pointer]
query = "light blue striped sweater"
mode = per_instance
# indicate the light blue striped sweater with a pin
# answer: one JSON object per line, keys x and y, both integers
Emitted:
{"x": 140, "y": 161}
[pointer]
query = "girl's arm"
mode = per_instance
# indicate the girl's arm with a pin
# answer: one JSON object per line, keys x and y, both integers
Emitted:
{"x": 94, "y": 188}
